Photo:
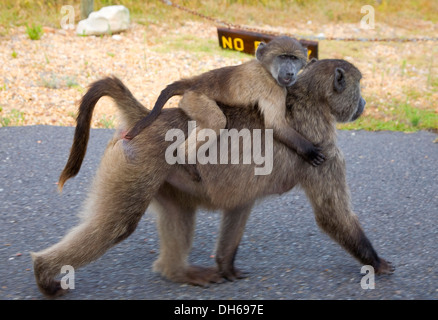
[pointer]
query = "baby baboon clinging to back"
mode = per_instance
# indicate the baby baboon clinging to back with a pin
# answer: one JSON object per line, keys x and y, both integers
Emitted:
{"x": 260, "y": 82}
{"x": 134, "y": 173}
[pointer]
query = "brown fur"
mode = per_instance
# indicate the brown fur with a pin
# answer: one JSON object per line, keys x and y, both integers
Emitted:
{"x": 253, "y": 83}
{"x": 134, "y": 174}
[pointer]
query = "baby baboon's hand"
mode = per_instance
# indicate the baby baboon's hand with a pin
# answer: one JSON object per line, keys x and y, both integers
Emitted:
{"x": 314, "y": 156}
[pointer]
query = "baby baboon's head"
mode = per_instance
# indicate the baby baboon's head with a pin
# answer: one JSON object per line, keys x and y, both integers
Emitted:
{"x": 283, "y": 57}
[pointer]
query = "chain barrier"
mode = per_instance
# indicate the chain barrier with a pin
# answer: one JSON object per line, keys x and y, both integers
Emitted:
{"x": 310, "y": 38}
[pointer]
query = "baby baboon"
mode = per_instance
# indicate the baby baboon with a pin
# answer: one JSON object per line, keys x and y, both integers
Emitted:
{"x": 262, "y": 82}
{"x": 133, "y": 173}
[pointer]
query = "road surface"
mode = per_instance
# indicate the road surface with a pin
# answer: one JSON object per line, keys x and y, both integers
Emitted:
{"x": 394, "y": 184}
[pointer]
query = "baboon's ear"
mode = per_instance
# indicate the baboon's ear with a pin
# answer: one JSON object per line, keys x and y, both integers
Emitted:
{"x": 260, "y": 50}
{"x": 339, "y": 83}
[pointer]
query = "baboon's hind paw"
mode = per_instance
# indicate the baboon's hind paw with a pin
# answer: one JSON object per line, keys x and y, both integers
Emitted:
{"x": 234, "y": 274}
{"x": 202, "y": 276}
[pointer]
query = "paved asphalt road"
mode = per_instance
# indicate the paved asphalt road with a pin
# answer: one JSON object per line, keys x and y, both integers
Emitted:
{"x": 394, "y": 184}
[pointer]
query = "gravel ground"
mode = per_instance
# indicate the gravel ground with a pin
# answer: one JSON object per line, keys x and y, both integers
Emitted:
{"x": 393, "y": 179}
{"x": 48, "y": 77}
{"x": 41, "y": 82}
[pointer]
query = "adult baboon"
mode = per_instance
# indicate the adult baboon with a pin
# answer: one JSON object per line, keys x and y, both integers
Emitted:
{"x": 260, "y": 82}
{"x": 133, "y": 173}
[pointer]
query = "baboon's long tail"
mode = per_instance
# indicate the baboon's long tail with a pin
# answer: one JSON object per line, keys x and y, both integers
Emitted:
{"x": 174, "y": 89}
{"x": 126, "y": 102}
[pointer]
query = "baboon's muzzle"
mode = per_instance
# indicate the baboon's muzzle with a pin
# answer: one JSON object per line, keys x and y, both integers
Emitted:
{"x": 360, "y": 108}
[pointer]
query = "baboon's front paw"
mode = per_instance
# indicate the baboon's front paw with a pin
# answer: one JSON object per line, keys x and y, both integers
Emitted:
{"x": 385, "y": 267}
{"x": 52, "y": 289}
{"x": 45, "y": 281}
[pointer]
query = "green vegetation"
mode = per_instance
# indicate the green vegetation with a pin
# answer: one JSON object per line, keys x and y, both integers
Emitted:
{"x": 52, "y": 81}
{"x": 71, "y": 82}
{"x": 35, "y": 32}
{"x": 198, "y": 46}
{"x": 397, "y": 116}
{"x": 14, "y": 118}
{"x": 274, "y": 12}
{"x": 107, "y": 122}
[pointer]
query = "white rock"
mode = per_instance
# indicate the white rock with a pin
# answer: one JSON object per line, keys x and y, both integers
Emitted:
{"x": 111, "y": 19}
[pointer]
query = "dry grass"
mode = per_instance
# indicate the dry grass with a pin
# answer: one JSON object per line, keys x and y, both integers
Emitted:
{"x": 277, "y": 13}
{"x": 43, "y": 80}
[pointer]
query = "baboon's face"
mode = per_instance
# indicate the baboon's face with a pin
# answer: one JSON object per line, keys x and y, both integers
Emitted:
{"x": 283, "y": 57}
{"x": 339, "y": 83}
{"x": 284, "y": 69}
{"x": 346, "y": 102}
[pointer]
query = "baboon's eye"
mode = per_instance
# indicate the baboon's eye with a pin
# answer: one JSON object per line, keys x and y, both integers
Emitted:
{"x": 286, "y": 56}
